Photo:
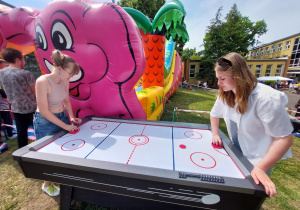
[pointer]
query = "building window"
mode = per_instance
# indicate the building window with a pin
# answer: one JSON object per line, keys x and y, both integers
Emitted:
{"x": 296, "y": 44}
{"x": 268, "y": 70}
{"x": 287, "y": 45}
{"x": 279, "y": 70}
{"x": 279, "y": 47}
{"x": 295, "y": 57}
{"x": 261, "y": 51}
{"x": 192, "y": 71}
{"x": 250, "y": 67}
{"x": 267, "y": 50}
{"x": 256, "y": 54}
{"x": 272, "y": 49}
{"x": 201, "y": 68}
{"x": 252, "y": 54}
{"x": 258, "y": 70}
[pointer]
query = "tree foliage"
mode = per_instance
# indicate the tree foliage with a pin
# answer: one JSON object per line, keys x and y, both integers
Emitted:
{"x": 147, "y": 7}
{"x": 235, "y": 34}
{"x": 191, "y": 54}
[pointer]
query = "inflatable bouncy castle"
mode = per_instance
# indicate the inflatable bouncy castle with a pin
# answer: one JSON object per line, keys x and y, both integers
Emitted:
{"x": 163, "y": 72}
{"x": 105, "y": 41}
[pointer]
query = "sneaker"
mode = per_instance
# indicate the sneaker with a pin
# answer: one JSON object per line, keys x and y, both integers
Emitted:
{"x": 13, "y": 136}
{"x": 3, "y": 147}
{"x": 51, "y": 190}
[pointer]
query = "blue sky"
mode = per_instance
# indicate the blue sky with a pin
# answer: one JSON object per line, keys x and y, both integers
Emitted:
{"x": 282, "y": 17}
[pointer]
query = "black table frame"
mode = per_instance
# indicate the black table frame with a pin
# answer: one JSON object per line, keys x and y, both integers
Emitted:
{"x": 136, "y": 187}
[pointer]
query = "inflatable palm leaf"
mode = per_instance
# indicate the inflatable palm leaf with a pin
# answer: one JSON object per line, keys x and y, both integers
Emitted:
{"x": 168, "y": 20}
{"x": 140, "y": 19}
{"x": 180, "y": 33}
{"x": 172, "y": 13}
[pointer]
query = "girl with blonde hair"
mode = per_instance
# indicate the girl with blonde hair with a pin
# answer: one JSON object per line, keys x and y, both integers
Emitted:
{"x": 52, "y": 95}
{"x": 255, "y": 116}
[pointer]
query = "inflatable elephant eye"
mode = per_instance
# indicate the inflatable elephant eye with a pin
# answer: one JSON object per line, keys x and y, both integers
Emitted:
{"x": 61, "y": 37}
{"x": 41, "y": 40}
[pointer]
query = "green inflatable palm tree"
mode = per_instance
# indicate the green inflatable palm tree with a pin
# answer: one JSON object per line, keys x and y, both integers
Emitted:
{"x": 168, "y": 22}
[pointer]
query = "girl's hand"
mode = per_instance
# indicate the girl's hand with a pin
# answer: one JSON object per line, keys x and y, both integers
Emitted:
{"x": 75, "y": 120}
{"x": 216, "y": 140}
{"x": 70, "y": 127}
{"x": 260, "y": 176}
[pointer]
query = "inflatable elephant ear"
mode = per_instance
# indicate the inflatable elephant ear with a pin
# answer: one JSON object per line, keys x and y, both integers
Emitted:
{"x": 16, "y": 28}
{"x": 2, "y": 40}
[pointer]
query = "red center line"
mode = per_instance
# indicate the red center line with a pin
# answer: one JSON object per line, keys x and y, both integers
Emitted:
{"x": 131, "y": 154}
{"x": 143, "y": 130}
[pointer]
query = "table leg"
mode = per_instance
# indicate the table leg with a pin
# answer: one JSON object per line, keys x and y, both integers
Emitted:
{"x": 65, "y": 197}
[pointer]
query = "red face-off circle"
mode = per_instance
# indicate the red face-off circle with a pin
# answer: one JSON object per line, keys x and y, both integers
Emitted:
{"x": 203, "y": 160}
{"x": 193, "y": 135}
{"x": 73, "y": 145}
{"x": 98, "y": 126}
{"x": 138, "y": 140}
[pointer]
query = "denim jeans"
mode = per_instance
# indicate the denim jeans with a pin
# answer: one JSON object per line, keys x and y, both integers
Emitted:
{"x": 43, "y": 127}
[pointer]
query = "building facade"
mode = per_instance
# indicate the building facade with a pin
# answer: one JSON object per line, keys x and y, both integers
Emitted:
{"x": 191, "y": 70}
{"x": 278, "y": 58}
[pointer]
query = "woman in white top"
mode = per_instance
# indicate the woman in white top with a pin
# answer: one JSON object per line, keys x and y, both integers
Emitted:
{"x": 255, "y": 117}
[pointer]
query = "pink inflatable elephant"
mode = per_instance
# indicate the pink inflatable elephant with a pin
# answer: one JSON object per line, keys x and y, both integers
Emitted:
{"x": 102, "y": 38}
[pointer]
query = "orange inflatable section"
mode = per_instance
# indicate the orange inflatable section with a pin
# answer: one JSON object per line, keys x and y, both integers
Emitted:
{"x": 154, "y": 47}
{"x": 24, "y": 49}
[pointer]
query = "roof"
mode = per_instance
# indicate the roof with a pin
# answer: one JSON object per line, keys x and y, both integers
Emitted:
{"x": 262, "y": 45}
{"x": 270, "y": 59}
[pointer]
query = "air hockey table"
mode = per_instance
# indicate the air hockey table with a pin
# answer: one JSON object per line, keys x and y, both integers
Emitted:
{"x": 134, "y": 164}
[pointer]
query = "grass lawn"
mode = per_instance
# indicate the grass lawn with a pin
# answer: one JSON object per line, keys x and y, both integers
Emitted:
{"x": 17, "y": 192}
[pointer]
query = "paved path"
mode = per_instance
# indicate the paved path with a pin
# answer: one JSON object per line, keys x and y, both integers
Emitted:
{"x": 293, "y": 99}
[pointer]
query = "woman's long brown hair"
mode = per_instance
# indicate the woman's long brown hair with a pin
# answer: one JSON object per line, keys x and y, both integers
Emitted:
{"x": 244, "y": 81}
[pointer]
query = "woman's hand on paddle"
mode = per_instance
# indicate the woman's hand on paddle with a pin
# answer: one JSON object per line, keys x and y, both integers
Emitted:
{"x": 70, "y": 127}
{"x": 216, "y": 140}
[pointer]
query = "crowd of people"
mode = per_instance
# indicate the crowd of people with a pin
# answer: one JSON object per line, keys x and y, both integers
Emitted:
{"x": 185, "y": 84}
{"x": 254, "y": 113}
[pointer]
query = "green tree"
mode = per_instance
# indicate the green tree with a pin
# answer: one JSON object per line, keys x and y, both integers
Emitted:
{"x": 240, "y": 32}
{"x": 213, "y": 47}
{"x": 235, "y": 34}
{"x": 179, "y": 47}
{"x": 147, "y": 7}
{"x": 191, "y": 54}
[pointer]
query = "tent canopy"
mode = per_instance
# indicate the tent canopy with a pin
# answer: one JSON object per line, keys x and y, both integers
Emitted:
{"x": 276, "y": 78}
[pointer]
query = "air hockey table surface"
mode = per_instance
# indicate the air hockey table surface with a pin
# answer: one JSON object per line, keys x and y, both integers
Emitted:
{"x": 143, "y": 164}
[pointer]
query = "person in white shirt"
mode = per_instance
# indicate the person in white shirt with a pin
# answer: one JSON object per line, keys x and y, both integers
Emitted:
{"x": 198, "y": 83}
{"x": 205, "y": 85}
{"x": 291, "y": 86}
{"x": 255, "y": 116}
